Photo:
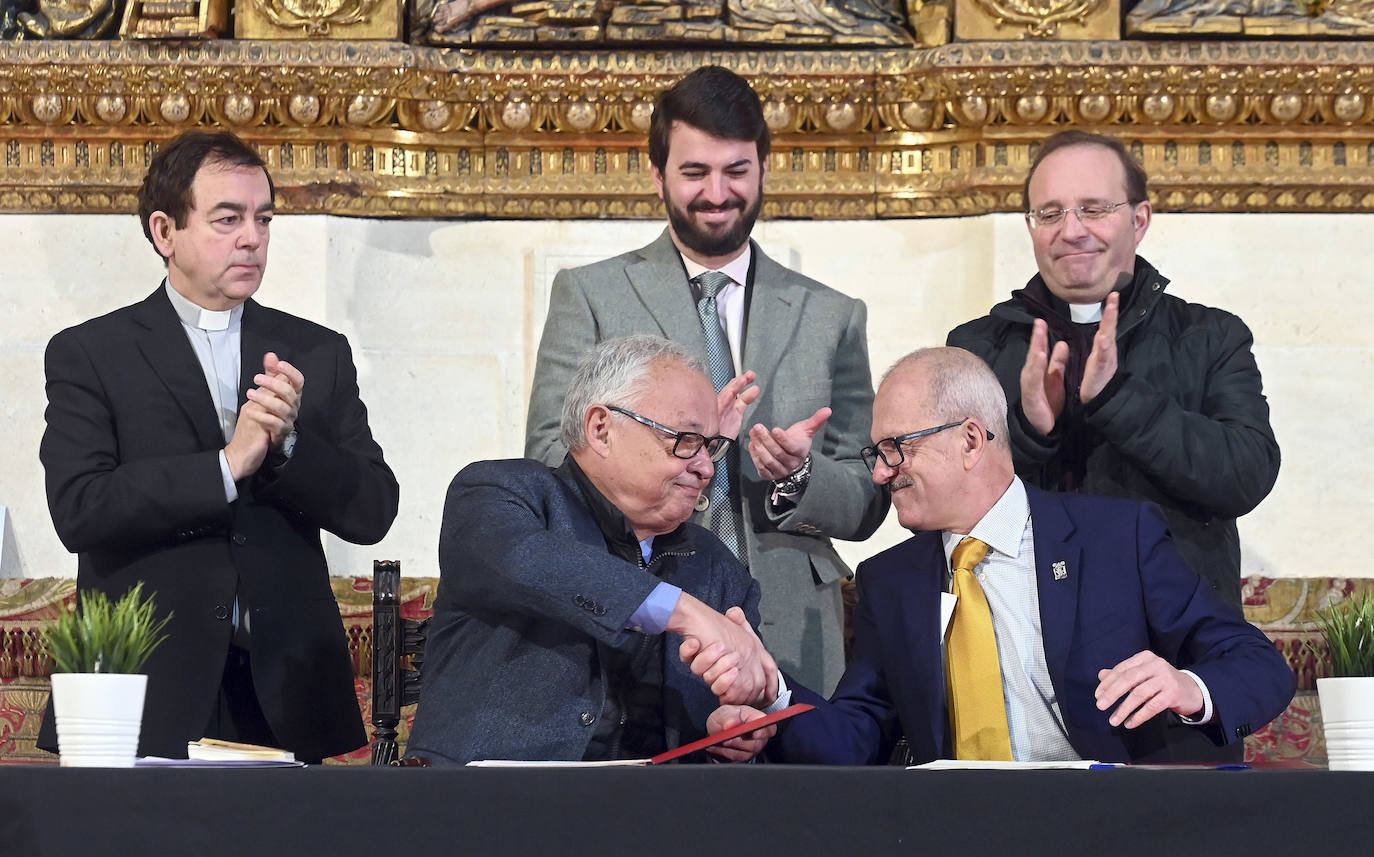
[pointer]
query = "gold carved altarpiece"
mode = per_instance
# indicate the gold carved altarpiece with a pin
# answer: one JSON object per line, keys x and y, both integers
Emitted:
{"x": 908, "y": 125}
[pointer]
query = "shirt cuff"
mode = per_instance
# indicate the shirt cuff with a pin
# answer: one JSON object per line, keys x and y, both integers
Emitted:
{"x": 784, "y": 696}
{"x": 1206, "y": 716}
{"x": 651, "y": 617}
{"x": 781, "y": 500}
{"x": 231, "y": 491}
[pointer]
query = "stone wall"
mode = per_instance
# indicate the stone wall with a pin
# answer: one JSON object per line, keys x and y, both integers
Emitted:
{"x": 445, "y": 316}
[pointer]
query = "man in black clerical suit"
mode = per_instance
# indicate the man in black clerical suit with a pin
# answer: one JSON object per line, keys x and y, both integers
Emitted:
{"x": 182, "y": 450}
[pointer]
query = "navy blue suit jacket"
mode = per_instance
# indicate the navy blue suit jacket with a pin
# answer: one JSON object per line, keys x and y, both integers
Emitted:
{"x": 1125, "y": 590}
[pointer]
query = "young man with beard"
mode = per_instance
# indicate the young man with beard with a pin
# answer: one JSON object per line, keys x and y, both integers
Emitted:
{"x": 704, "y": 284}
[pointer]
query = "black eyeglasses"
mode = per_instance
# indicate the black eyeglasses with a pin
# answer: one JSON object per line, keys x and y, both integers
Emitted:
{"x": 889, "y": 449}
{"x": 686, "y": 444}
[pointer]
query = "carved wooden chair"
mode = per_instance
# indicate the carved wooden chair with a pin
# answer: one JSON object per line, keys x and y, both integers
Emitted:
{"x": 398, "y": 649}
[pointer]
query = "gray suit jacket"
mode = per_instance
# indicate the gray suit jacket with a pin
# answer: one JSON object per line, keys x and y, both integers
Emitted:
{"x": 808, "y": 345}
{"x": 528, "y": 598}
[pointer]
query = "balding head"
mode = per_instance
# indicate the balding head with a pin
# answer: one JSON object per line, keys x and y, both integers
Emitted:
{"x": 946, "y": 480}
{"x": 956, "y": 384}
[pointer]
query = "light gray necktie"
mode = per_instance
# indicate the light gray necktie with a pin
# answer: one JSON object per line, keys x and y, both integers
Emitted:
{"x": 721, "y": 513}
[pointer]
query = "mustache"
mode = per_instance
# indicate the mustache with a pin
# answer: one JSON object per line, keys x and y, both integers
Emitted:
{"x": 900, "y": 482}
{"x": 700, "y": 205}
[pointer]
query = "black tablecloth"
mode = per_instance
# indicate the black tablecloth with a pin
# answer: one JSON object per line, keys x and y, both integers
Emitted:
{"x": 682, "y": 810}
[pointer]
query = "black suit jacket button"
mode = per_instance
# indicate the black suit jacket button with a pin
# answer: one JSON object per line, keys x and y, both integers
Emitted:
{"x": 587, "y": 718}
{"x": 601, "y": 611}
{"x": 579, "y": 600}
{"x": 1243, "y": 730}
{"x": 221, "y": 611}
{"x": 240, "y": 539}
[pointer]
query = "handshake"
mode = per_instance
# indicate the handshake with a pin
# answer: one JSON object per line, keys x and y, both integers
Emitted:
{"x": 724, "y": 652}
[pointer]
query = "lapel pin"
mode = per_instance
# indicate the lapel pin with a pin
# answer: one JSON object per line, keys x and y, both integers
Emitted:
{"x": 1060, "y": 570}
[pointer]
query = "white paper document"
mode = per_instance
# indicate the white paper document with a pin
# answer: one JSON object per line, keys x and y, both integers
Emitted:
{"x": 947, "y": 602}
{"x": 517, "y": 763}
{"x": 160, "y": 762}
{"x": 973, "y": 765}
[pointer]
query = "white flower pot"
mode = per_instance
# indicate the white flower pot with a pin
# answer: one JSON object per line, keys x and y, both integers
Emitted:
{"x": 1348, "y": 719}
{"x": 98, "y": 717}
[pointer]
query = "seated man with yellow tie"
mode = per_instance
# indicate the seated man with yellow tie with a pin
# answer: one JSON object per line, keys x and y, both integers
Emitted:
{"x": 1074, "y": 629}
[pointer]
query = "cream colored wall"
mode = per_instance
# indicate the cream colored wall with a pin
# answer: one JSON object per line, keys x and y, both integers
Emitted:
{"x": 445, "y": 317}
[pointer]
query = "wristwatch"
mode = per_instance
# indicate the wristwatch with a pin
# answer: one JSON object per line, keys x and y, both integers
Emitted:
{"x": 794, "y": 482}
{"x": 279, "y": 457}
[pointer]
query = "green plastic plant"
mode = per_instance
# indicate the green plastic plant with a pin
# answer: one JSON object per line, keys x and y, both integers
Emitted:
{"x": 100, "y": 637}
{"x": 1348, "y": 629}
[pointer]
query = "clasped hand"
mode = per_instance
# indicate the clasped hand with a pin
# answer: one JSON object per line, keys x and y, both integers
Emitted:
{"x": 744, "y": 747}
{"x": 267, "y": 417}
{"x": 725, "y": 653}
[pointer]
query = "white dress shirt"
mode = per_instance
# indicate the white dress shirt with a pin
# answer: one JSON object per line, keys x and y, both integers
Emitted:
{"x": 215, "y": 337}
{"x": 1007, "y": 575}
{"x": 729, "y": 300}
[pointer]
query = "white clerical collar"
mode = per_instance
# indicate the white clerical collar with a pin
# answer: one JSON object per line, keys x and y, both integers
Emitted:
{"x": 1085, "y": 313}
{"x": 195, "y": 315}
{"x": 1002, "y": 526}
{"x": 736, "y": 269}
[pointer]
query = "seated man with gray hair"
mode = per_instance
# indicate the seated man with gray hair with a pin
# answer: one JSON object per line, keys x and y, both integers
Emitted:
{"x": 565, "y": 594}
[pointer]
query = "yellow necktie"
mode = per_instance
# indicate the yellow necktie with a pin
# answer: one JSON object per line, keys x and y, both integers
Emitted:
{"x": 977, "y": 710}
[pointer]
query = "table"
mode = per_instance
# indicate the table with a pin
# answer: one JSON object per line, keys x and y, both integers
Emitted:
{"x": 681, "y": 810}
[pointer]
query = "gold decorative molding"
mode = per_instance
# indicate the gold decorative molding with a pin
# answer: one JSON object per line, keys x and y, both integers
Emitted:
{"x": 385, "y": 129}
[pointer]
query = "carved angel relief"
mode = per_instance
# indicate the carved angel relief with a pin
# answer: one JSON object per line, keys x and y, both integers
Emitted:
{"x": 59, "y": 19}
{"x": 1253, "y": 18}
{"x": 642, "y": 22}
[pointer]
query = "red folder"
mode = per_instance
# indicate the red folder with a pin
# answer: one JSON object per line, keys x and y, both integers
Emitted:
{"x": 732, "y": 732}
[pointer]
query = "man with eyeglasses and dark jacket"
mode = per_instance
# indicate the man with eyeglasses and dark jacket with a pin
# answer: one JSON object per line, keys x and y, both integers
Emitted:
{"x": 565, "y": 594}
{"x": 1016, "y": 624}
{"x": 1116, "y": 388}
